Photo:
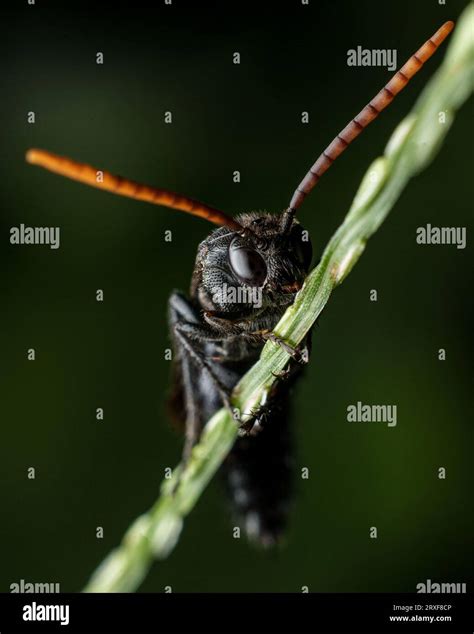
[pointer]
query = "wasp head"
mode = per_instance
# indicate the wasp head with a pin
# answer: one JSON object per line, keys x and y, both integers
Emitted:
{"x": 258, "y": 269}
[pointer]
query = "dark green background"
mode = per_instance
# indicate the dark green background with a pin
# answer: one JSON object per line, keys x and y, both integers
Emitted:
{"x": 110, "y": 354}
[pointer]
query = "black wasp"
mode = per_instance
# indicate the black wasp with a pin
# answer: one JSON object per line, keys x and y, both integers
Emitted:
{"x": 247, "y": 272}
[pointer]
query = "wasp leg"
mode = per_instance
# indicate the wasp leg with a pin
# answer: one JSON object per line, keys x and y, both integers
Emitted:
{"x": 231, "y": 326}
{"x": 202, "y": 363}
{"x": 268, "y": 407}
{"x": 258, "y": 417}
{"x": 193, "y": 427}
{"x": 299, "y": 354}
{"x": 189, "y": 331}
{"x": 179, "y": 308}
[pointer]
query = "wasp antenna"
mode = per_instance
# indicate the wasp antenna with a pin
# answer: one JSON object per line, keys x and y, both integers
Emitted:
{"x": 352, "y": 130}
{"x": 123, "y": 187}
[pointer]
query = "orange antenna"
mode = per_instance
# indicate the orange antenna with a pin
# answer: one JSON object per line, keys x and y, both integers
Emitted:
{"x": 123, "y": 187}
{"x": 362, "y": 120}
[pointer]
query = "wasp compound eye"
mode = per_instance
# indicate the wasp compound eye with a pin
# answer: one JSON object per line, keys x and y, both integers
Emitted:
{"x": 247, "y": 264}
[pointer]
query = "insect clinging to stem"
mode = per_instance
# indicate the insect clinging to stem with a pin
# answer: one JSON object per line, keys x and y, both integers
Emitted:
{"x": 247, "y": 273}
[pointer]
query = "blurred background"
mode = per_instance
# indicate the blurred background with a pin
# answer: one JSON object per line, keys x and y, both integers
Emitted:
{"x": 226, "y": 117}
